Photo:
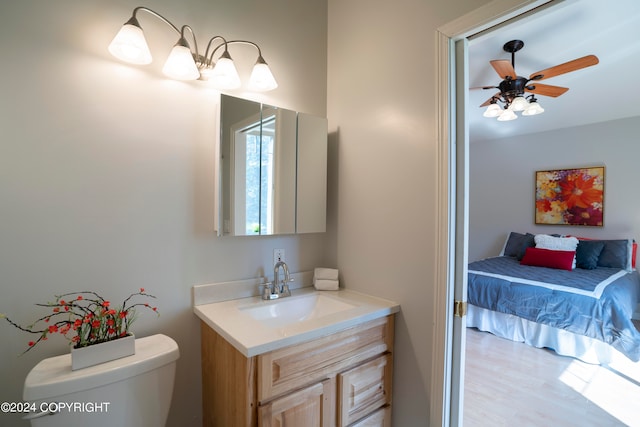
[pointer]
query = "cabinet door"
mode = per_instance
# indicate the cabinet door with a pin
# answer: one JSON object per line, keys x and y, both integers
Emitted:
{"x": 364, "y": 389}
{"x": 309, "y": 407}
{"x": 380, "y": 418}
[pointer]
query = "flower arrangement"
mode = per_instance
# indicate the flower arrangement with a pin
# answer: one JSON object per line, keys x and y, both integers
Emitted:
{"x": 85, "y": 318}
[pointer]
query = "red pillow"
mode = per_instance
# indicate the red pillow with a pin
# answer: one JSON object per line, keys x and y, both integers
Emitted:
{"x": 538, "y": 257}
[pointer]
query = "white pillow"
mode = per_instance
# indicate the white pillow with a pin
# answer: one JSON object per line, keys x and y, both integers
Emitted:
{"x": 544, "y": 241}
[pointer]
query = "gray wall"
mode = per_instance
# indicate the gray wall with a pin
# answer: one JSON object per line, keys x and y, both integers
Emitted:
{"x": 382, "y": 116}
{"x": 106, "y": 170}
{"x": 502, "y": 172}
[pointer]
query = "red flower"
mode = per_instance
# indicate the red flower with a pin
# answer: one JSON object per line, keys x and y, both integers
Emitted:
{"x": 47, "y": 320}
{"x": 80, "y": 298}
{"x": 111, "y": 322}
{"x": 95, "y": 324}
{"x": 580, "y": 192}
{"x": 66, "y": 308}
{"x": 105, "y": 304}
{"x": 111, "y": 331}
{"x": 56, "y": 310}
{"x": 111, "y": 312}
{"x": 122, "y": 314}
{"x": 31, "y": 343}
{"x": 155, "y": 308}
{"x": 75, "y": 339}
{"x": 62, "y": 302}
{"x": 53, "y": 328}
{"x": 141, "y": 290}
{"x": 543, "y": 205}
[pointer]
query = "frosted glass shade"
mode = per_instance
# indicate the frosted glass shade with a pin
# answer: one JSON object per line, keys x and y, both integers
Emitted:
{"x": 507, "y": 115}
{"x": 533, "y": 109}
{"x": 519, "y": 104}
{"x": 129, "y": 45}
{"x": 493, "y": 110}
{"x": 180, "y": 64}
{"x": 224, "y": 75}
{"x": 261, "y": 77}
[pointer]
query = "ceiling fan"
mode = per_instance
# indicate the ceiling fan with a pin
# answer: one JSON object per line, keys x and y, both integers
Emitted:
{"x": 513, "y": 87}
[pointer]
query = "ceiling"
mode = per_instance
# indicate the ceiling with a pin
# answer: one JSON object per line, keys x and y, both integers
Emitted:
{"x": 574, "y": 28}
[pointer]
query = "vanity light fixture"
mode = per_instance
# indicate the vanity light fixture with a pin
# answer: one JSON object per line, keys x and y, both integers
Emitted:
{"x": 183, "y": 63}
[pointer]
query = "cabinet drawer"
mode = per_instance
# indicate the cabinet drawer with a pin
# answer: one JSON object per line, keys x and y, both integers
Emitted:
{"x": 364, "y": 389}
{"x": 293, "y": 367}
{"x": 380, "y": 418}
{"x": 309, "y": 407}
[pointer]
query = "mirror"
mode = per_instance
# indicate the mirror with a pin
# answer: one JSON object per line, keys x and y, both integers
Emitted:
{"x": 273, "y": 170}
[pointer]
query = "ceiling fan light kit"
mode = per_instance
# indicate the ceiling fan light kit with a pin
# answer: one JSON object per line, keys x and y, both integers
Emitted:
{"x": 513, "y": 87}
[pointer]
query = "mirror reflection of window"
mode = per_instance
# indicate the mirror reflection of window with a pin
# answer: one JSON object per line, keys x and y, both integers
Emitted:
{"x": 267, "y": 165}
{"x": 270, "y": 163}
{"x": 253, "y": 177}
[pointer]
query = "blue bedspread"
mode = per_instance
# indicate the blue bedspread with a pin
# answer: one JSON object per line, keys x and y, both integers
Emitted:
{"x": 596, "y": 303}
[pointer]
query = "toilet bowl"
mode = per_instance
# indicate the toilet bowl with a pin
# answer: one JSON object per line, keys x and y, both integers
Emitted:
{"x": 134, "y": 391}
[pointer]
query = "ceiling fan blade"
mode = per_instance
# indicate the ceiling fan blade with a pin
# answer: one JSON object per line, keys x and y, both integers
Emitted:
{"x": 567, "y": 67}
{"x": 504, "y": 68}
{"x": 546, "y": 90}
{"x": 488, "y": 101}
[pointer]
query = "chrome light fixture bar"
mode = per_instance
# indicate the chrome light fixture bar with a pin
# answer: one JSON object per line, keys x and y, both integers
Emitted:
{"x": 183, "y": 63}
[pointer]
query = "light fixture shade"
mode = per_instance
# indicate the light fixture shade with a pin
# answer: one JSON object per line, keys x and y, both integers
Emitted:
{"x": 180, "y": 64}
{"x": 533, "y": 109}
{"x": 519, "y": 103}
{"x": 224, "y": 75}
{"x": 129, "y": 44}
{"x": 261, "y": 77}
{"x": 493, "y": 110}
{"x": 507, "y": 115}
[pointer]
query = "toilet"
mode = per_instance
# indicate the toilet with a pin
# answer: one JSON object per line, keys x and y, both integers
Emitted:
{"x": 134, "y": 391}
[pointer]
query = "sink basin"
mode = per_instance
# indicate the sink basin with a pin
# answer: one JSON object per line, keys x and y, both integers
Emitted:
{"x": 290, "y": 310}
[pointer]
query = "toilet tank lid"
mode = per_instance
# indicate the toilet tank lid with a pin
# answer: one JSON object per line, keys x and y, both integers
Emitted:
{"x": 53, "y": 377}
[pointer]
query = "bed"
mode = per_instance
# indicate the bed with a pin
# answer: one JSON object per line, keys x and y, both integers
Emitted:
{"x": 580, "y": 307}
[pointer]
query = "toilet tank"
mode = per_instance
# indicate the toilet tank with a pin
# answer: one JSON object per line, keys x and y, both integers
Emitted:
{"x": 132, "y": 391}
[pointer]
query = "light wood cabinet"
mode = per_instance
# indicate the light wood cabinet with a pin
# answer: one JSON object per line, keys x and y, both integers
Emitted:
{"x": 310, "y": 407}
{"x": 342, "y": 379}
{"x": 364, "y": 389}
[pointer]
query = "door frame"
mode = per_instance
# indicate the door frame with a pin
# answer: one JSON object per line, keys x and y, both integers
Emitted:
{"x": 452, "y": 142}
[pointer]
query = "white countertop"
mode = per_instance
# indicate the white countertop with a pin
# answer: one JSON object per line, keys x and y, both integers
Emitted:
{"x": 251, "y": 337}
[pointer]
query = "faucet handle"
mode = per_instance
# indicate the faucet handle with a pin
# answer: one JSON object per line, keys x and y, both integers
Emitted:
{"x": 266, "y": 291}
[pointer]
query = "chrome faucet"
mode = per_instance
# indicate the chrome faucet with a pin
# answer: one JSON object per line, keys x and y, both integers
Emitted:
{"x": 277, "y": 288}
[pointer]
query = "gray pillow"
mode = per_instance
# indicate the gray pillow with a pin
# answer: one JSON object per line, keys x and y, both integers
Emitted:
{"x": 616, "y": 254}
{"x": 588, "y": 253}
{"x": 517, "y": 244}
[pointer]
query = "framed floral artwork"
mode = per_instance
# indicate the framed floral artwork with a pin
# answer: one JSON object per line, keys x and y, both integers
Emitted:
{"x": 570, "y": 197}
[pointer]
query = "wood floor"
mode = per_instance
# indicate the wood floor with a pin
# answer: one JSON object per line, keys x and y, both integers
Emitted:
{"x": 513, "y": 384}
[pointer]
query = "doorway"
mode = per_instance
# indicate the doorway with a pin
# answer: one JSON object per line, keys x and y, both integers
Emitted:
{"x": 447, "y": 397}
{"x": 455, "y": 151}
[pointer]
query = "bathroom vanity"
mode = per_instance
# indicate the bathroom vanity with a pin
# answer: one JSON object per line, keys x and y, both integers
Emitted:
{"x": 323, "y": 359}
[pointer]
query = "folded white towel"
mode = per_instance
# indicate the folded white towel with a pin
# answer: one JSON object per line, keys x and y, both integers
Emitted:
{"x": 326, "y": 284}
{"x": 325, "y": 273}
